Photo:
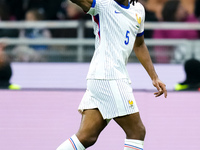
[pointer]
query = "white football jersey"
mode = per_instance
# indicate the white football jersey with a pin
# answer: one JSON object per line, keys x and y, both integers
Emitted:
{"x": 115, "y": 27}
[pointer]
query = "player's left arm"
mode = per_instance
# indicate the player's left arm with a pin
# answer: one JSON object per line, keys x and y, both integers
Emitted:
{"x": 143, "y": 56}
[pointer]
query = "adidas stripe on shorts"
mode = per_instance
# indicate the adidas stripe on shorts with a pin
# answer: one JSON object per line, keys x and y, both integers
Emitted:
{"x": 113, "y": 98}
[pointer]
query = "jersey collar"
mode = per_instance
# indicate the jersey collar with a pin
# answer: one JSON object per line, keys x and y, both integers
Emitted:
{"x": 123, "y": 6}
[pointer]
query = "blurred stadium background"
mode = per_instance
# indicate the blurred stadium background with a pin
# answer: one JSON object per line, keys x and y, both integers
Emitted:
{"x": 51, "y": 72}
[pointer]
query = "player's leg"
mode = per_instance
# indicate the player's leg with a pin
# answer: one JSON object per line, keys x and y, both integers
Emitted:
{"x": 134, "y": 129}
{"x": 91, "y": 126}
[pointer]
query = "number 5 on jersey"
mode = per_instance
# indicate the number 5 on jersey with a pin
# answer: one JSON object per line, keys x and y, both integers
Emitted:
{"x": 127, "y": 38}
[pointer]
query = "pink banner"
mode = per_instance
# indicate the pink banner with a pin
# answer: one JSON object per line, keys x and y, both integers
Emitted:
{"x": 73, "y": 75}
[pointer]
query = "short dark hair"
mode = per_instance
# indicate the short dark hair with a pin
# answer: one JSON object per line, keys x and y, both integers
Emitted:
{"x": 169, "y": 10}
{"x": 133, "y": 1}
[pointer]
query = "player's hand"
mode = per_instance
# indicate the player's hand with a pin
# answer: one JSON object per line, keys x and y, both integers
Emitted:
{"x": 161, "y": 87}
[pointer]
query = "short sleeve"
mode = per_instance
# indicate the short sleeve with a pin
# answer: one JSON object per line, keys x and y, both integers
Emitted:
{"x": 97, "y": 6}
{"x": 141, "y": 29}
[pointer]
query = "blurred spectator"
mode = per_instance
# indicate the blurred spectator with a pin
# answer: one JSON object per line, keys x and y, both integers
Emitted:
{"x": 50, "y": 7}
{"x": 149, "y": 16}
{"x": 16, "y": 8}
{"x": 197, "y": 10}
{"x": 4, "y": 11}
{"x": 35, "y": 15}
{"x": 173, "y": 11}
{"x": 25, "y": 54}
{"x": 192, "y": 81}
{"x": 19, "y": 7}
{"x": 5, "y": 16}
{"x": 156, "y": 7}
{"x": 5, "y": 71}
{"x": 72, "y": 12}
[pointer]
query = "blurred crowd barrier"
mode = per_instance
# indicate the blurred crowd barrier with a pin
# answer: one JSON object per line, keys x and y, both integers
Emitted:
{"x": 79, "y": 46}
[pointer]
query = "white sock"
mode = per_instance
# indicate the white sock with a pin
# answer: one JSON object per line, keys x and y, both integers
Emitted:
{"x": 133, "y": 144}
{"x": 72, "y": 143}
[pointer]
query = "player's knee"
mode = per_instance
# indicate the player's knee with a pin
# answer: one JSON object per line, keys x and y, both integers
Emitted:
{"x": 142, "y": 130}
{"x": 138, "y": 132}
{"x": 88, "y": 140}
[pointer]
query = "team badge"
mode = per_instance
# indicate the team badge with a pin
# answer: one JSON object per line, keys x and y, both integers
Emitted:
{"x": 131, "y": 103}
{"x": 139, "y": 20}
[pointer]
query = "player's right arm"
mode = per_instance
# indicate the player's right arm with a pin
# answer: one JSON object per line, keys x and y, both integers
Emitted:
{"x": 84, "y": 4}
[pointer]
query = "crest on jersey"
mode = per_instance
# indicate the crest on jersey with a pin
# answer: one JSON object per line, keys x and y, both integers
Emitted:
{"x": 131, "y": 103}
{"x": 139, "y": 20}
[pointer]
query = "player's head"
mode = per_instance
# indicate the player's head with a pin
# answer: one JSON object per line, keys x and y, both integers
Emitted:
{"x": 133, "y": 1}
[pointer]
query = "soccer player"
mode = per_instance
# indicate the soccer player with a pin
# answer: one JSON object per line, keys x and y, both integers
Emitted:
{"x": 119, "y": 28}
